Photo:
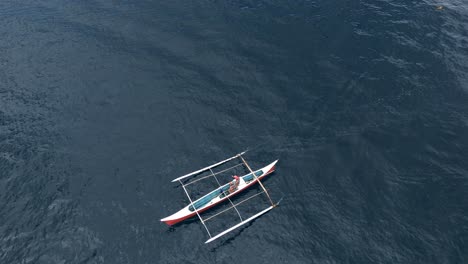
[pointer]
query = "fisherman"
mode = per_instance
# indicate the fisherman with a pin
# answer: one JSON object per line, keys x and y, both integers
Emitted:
{"x": 234, "y": 184}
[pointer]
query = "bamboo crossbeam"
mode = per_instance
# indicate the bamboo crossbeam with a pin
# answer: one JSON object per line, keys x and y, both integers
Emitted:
{"x": 229, "y": 208}
{"x": 196, "y": 211}
{"x": 213, "y": 174}
{"x": 259, "y": 182}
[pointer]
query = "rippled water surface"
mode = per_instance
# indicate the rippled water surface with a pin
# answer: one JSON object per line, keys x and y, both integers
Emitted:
{"x": 103, "y": 103}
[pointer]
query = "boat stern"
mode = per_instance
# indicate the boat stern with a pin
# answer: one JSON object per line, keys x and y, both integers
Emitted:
{"x": 178, "y": 217}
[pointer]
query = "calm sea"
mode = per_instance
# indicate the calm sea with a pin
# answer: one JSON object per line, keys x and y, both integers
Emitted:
{"x": 364, "y": 103}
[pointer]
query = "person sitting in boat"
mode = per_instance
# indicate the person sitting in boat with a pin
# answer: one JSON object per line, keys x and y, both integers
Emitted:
{"x": 234, "y": 184}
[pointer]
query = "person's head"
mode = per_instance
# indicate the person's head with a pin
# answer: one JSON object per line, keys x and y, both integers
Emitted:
{"x": 236, "y": 177}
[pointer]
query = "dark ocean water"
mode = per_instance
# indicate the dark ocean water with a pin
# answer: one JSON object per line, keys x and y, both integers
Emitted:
{"x": 103, "y": 103}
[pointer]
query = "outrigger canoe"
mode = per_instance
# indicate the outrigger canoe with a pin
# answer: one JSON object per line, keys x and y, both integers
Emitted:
{"x": 218, "y": 195}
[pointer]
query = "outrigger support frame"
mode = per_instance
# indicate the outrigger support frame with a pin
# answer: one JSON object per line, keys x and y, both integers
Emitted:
{"x": 259, "y": 182}
{"x": 228, "y": 197}
{"x": 214, "y": 174}
{"x": 196, "y": 211}
{"x": 238, "y": 225}
{"x": 229, "y": 208}
{"x": 243, "y": 222}
{"x": 209, "y": 167}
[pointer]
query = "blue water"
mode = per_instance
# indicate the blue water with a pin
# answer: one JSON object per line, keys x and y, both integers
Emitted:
{"x": 103, "y": 103}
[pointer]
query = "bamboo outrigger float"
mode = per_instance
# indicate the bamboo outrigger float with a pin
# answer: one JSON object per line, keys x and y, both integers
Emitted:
{"x": 222, "y": 193}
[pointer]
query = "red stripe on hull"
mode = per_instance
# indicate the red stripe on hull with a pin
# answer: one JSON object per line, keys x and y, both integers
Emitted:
{"x": 178, "y": 220}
